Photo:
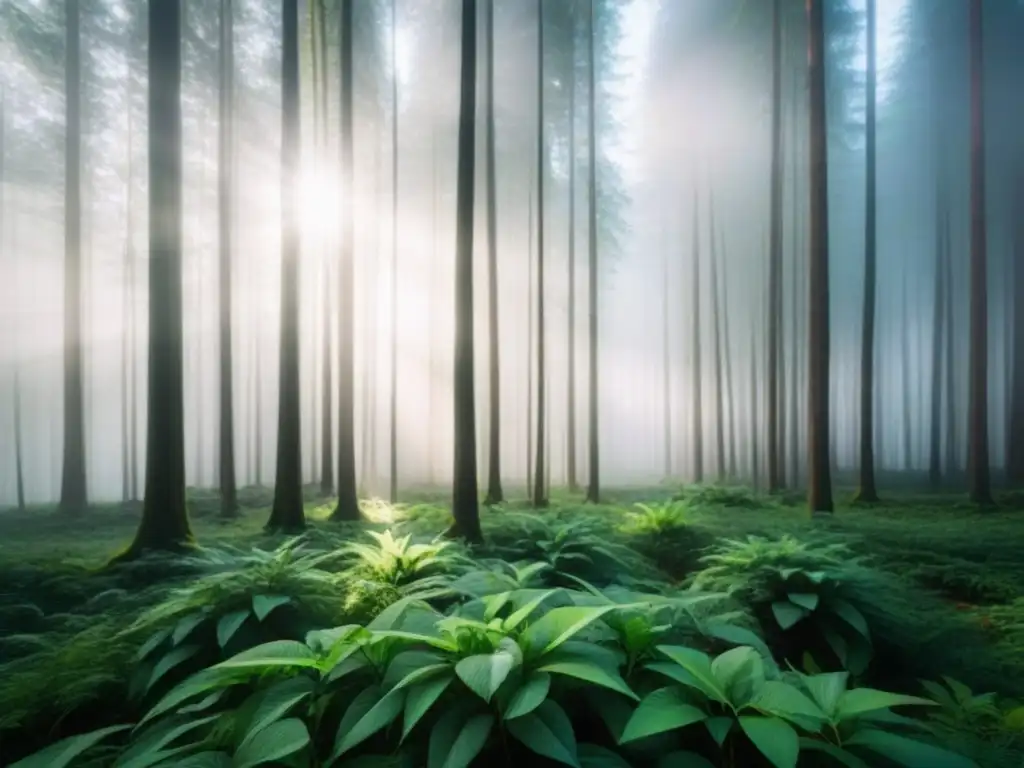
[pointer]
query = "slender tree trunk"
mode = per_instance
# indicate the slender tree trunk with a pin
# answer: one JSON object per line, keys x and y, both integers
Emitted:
{"x": 938, "y": 319}
{"x": 393, "y": 390}
{"x": 819, "y": 469}
{"x": 530, "y": 288}
{"x": 465, "y": 505}
{"x": 327, "y": 388}
{"x": 697, "y": 375}
{"x": 796, "y": 274}
{"x": 73, "y": 494}
{"x": 348, "y": 501}
{"x": 287, "y": 512}
{"x": 755, "y": 416}
{"x": 868, "y": 492}
{"x": 905, "y": 352}
{"x": 952, "y": 401}
{"x": 539, "y": 495}
{"x": 494, "y": 491}
{"x": 666, "y": 357}
{"x": 594, "y": 478}
{"x": 1015, "y": 442}
{"x": 126, "y": 328}
{"x": 258, "y": 413}
{"x": 165, "y": 523}
{"x": 716, "y": 319}
{"x": 979, "y": 482}
{"x": 225, "y": 198}
{"x": 775, "y": 479}
{"x": 570, "y": 404}
{"x": 727, "y": 370}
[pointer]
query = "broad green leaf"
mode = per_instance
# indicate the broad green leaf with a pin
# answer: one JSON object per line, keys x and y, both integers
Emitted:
{"x": 826, "y": 689}
{"x": 698, "y": 664}
{"x": 777, "y": 698}
{"x": 420, "y": 697}
{"x": 201, "y": 682}
{"x": 152, "y": 643}
{"x": 838, "y": 645}
{"x": 737, "y": 636}
{"x": 719, "y": 728}
{"x": 409, "y": 662}
{"x": 276, "y": 701}
{"x": 774, "y": 738}
{"x": 229, "y": 624}
{"x": 738, "y": 671}
{"x": 66, "y": 751}
{"x": 560, "y": 624}
{"x": 530, "y": 694}
{"x": 368, "y": 713}
{"x": 851, "y": 616}
{"x": 908, "y": 752}
{"x": 675, "y": 672}
{"x": 186, "y": 625}
{"x": 484, "y": 673}
{"x": 859, "y": 701}
{"x": 169, "y": 661}
{"x": 523, "y": 613}
{"x": 325, "y": 640}
{"x": 595, "y": 756}
{"x": 208, "y": 759}
{"x": 591, "y": 673}
{"x": 548, "y": 732}
{"x": 264, "y": 605}
{"x": 806, "y": 600}
{"x": 275, "y": 742}
{"x": 683, "y": 759}
{"x": 457, "y": 739}
{"x": 145, "y": 750}
{"x": 840, "y": 755}
{"x": 787, "y": 614}
{"x": 663, "y": 710}
{"x": 277, "y": 653}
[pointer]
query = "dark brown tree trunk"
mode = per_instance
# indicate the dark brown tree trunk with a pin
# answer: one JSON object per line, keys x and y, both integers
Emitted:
{"x": 819, "y": 470}
{"x": 868, "y": 492}
{"x": 775, "y": 478}
{"x": 905, "y": 352}
{"x": 287, "y": 513}
{"x": 1015, "y": 441}
{"x": 393, "y": 389}
{"x": 570, "y": 446}
{"x": 755, "y": 416}
{"x": 952, "y": 401}
{"x": 716, "y": 329}
{"x": 938, "y": 319}
{"x": 348, "y": 500}
{"x": 165, "y": 523}
{"x": 494, "y": 490}
{"x": 126, "y": 302}
{"x": 594, "y": 461}
{"x": 225, "y": 198}
{"x": 539, "y": 495}
{"x": 696, "y": 374}
{"x": 465, "y": 503}
{"x": 73, "y": 493}
{"x": 327, "y": 358}
{"x": 979, "y": 481}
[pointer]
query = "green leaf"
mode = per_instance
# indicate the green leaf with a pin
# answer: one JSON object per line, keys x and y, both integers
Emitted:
{"x": 787, "y": 614}
{"x": 840, "y": 755}
{"x": 737, "y": 636}
{"x": 410, "y": 662}
{"x": 275, "y": 742}
{"x": 698, "y": 665}
{"x": 529, "y": 695}
{"x": 186, "y": 625}
{"x": 169, "y": 661}
{"x": 738, "y": 666}
{"x": 523, "y": 613}
{"x": 368, "y": 713}
{"x": 277, "y": 653}
{"x": 826, "y": 689}
{"x": 276, "y": 701}
{"x": 484, "y": 673}
{"x": 663, "y": 710}
{"x": 420, "y": 698}
{"x": 851, "y": 616}
{"x": 908, "y": 752}
{"x": 858, "y": 701}
{"x": 560, "y": 624}
{"x": 64, "y": 752}
{"x": 145, "y": 750}
{"x": 774, "y": 738}
{"x": 595, "y": 756}
{"x": 684, "y": 759}
{"x": 591, "y": 673}
{"x": 777, "y": 698}
{"x": 152, "y": 643}
{"x": 263, "y": 605}
{"x": 207, "y": 759}
{"x": 456, "y": 740}
{"x": 806, "y": 600}
{"x": 719, "y": 728}
{"x": 201, "y": 682}
{"x": 548, "y": 732}
{"x": 229, "y": 624}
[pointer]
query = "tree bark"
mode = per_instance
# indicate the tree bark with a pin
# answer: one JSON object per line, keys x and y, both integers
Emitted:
{"x": 696, "y": 374}
{"x": 594, "y": 460}
{"x": 570, "y": 445}
{"x": 539, "y": 495}
{"x": 1015, "y": 442}
{"x": 393, "y": 390}
{"x": 716, "y": 319}
{"x": 775, "y": 479}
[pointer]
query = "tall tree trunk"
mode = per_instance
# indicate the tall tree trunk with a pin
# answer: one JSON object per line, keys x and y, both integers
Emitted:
{"x": 727, "y": 370}
{"x": 868, "y": 492}
{"x": 979, "y": 481}
{"x": 465, "y": 504}
{"x": 225, "y": 194}
{"x": 696, "y": 374}
{"x": 775, "y": 479}
{"x": 165, "y": 523}
{"x": 716, "y": 319}
{"x": 796, "y": 273}
{"x": 594, "y": 462}
{"x": 393, "y": 390}
{"x": 908, "y": 460}
{"x": 819, "y": 470}
{"x": 327, "y": 361}
{"x": 257, "y": 413}
{"x": 348, "y": 500}
{"x": 952, "y": 401}
{"x": 127, "y": 383}
{"x": 287, "y": 512}
{"x": 1015, "y": 442}
{"x": 938, "y": 319}
{"x": 494, "y": 491}
{"x": 539, "y": 496}
{"x": 530, "y": 289}
{"x": 666, "y": 358}
{"x": 73, "y": 493}
{"x": 570, "y": 401}
{"x": 755, "y": 416}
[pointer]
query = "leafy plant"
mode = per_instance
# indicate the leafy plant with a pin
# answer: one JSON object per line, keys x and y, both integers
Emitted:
{"x": 731, "y": 496}
{"x": 656, "y": 518}
{"x": 399, "y": 563}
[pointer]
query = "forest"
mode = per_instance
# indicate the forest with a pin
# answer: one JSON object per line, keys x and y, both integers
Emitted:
{"x": 448, "y": 383}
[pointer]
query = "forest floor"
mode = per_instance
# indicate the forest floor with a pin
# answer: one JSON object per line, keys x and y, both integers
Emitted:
{"x": 964, "y": 567}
